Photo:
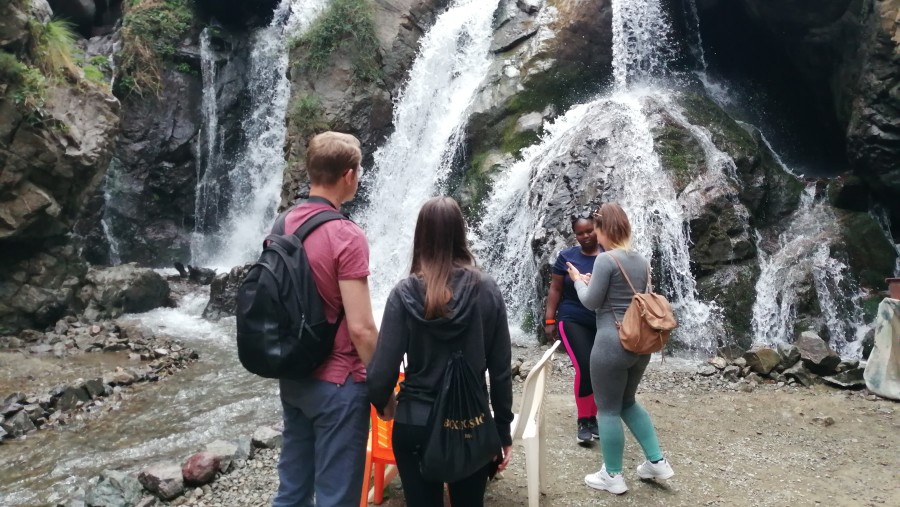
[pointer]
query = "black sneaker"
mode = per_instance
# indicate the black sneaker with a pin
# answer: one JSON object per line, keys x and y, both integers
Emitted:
{"x": 584, "y": 431}
{"x": 595, "y": 430}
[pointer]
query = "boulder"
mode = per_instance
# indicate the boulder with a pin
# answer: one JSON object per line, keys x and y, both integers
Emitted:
{"x": 223, "y": 451}
{"x": 163, "y": 480}
{"x": 762, "y": 360}
{"x": 114, "y": 489}
{"x": 223, "y": 293}
{"x": 200, "y": 468}
{"x": 18, "y": 424}
{"x": 718, "y": 362}
{"x": 266, "y": 437}
{"x": 789, "y": 355}
{"x": 816, "y": 354}
{"x": 799, "y": 373}
{"x": 94, "y": 387}
{"x": 70, "y": 398}
{"x": 850, "y": 379}
{"x": 882, "y": 373}
{"x": 245, "y": 448}
{"x": 111, "y": 292}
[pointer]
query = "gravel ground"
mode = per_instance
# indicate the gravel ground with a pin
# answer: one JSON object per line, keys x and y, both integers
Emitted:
{"x": 766, "y": 447}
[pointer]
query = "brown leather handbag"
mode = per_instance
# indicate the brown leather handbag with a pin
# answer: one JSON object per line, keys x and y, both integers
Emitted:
{"x": 648, "y": 321}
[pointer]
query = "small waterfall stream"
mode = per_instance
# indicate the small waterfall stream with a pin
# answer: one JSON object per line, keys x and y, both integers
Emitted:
{"x": 109, "y": 188}
{"x": 414, "y": 162}
{"x": 803, "y": 255}
{"x": 231, "y": 227}
{"x": 881, "y": 216}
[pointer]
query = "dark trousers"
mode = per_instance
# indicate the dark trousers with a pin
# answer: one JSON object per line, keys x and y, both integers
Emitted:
{"x": 408, "y": 440}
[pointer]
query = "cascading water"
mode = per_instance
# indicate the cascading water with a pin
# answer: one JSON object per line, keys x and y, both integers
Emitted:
{"x": 232, "y": 227}
{"x": 634, "y": 178}
{"x": 695, "y": 40}
{"x": 881, "y": 216}
{"x": 109, "y": 185}
{"x": 802, "y": 270}
{"x": 428, "y": 117}
{"x": 641, "y": 41}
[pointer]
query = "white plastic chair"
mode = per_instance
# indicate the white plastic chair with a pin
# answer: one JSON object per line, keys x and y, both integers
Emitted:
{"x": 527, "y": 425}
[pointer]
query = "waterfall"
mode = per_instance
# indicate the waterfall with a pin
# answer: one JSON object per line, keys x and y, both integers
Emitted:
{"x": 503, "y": 240}
{"x": 884, "y": 221}
{"x": 241, "y": 219}
{"x": 803, "y": 255}
{"x": 641, "y": 41}
{"x": 109, "y": 186}
{"x": 631, "y": 171}
{"x": 206, "y": 204}
{"x": 429, "y": 116}
{"x": 695, "y": 40}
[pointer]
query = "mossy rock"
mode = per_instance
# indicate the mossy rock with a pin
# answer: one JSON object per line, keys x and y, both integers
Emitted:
{"x": 870, "y": 255}
{"x": 679, "y": 153}
{"x": 733, "y": 288}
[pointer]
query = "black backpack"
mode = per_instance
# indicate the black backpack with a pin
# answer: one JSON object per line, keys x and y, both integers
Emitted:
{"x": 282, "y": 331}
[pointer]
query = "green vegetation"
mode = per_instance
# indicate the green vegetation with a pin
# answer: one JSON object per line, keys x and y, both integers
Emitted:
{"x": 28, "y": 85}
{"x": 307, "y": 117}
{"x": 700, "y": 110}
{"x": 679, "y": 153}
{"x": 54, "y": 48}
{"x": 151, "y": 31}
{"x": 347, "y": 25}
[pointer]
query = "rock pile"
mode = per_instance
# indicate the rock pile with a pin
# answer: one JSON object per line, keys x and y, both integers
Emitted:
{"x": 159, "y": 357}
{"x": 171, "y": 481}
{"x": 804, "y": 362}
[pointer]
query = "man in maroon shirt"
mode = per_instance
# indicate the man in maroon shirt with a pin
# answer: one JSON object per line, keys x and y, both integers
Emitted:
{"x": 326, "y": 416}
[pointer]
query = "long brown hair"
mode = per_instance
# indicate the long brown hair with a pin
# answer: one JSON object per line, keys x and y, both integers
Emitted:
{"x": 439, "y": 245}
{"x": 612, "y": 221}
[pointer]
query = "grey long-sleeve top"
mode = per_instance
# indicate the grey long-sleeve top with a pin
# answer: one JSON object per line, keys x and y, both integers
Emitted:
{"x": 608, "y": 287}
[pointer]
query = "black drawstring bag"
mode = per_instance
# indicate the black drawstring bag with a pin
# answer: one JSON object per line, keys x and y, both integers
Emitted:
{"x": 462, "y": 436}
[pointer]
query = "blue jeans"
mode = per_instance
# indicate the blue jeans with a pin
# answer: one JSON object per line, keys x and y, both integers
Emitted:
{"x": 326, "y": 427}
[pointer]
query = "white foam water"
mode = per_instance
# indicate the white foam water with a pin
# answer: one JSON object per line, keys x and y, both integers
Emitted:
{"x": 429, "y": 116}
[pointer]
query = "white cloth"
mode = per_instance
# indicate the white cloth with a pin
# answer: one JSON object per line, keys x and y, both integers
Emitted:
{"x": 883, "y": 369}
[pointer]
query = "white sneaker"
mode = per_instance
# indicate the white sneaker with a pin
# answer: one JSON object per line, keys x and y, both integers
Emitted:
{"x": 659, "y": 470}
{"x": 601, "y": 480}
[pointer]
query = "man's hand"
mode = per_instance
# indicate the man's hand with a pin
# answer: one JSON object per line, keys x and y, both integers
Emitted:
{"x": 358, "y": 312}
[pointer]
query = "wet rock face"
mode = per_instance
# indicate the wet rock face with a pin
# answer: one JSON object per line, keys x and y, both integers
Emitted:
{"x": 223, "y": 293}
{"x": 348, "y": 104}
{"x": 51, "y": 161}
{"x": 846, "y": 55}
{"x": 37, "y": 284}
{"x": 874, "y": 126}
{"x": 238, "y": 13}
{"x": 153, "y": 177}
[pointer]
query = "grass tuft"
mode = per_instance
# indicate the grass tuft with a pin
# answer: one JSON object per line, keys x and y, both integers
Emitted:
{"x": 151, "y": 32}
{"x": 346, "y": 25}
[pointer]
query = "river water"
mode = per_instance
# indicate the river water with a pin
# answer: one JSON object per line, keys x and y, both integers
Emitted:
{"x": 214, "y": 398}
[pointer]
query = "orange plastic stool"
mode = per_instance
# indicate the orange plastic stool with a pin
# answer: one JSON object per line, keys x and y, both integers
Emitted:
{"x": 379, "y": 454}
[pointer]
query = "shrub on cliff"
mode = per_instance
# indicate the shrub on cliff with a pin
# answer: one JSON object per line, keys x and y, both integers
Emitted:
{"x": 347, "y": 25}
{"x": 151, "y": 32}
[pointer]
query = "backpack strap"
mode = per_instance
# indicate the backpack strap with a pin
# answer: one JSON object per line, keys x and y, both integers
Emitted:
{"x": 315, "y": 221}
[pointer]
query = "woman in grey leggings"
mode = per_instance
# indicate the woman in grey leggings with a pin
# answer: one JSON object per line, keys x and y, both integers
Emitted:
{"x": 615, "y": 372}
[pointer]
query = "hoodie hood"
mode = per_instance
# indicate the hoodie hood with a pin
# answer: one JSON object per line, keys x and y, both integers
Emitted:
{"x": 464, "y": 286}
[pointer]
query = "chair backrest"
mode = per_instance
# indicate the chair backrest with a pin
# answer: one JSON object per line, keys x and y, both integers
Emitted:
{"x": 533, "y": 391}
{"x": 382, "y": 442}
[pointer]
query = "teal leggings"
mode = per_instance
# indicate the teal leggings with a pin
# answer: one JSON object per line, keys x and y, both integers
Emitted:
{"x": 615, "y": 375}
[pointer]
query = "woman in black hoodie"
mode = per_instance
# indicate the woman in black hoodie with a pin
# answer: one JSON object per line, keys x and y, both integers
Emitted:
{"x": 446, "y": 304}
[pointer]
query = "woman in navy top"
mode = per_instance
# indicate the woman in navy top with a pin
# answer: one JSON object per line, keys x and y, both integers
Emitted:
{"x": 575, "y": 324}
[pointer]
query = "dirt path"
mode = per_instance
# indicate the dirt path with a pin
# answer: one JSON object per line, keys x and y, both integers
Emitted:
{"x": 727, "y": 448}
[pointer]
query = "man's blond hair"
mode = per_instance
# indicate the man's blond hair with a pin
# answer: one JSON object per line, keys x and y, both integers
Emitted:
{"x": 329, "y": 156}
